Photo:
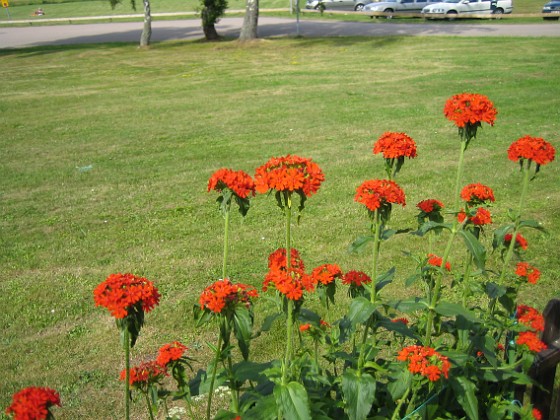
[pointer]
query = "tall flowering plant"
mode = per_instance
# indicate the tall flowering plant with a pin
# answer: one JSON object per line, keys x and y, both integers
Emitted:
{"x": 395, "y": 147}
{"x": 231, "y": 305}
{"x": 128, "y": 298}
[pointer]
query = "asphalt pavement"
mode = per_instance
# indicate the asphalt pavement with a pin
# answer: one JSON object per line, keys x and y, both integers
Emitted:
{"x": 269, "y": 27}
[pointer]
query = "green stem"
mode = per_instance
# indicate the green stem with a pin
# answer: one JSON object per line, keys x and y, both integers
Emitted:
{"x": 376, "y": 245}
{"x": 290, "y": 303}
{"x": 212, "y": 381}
{"x": 288, "y": 211}
{"x": 396, "y": 414}
{"x": 288, "y": 355}
{"x": 127, "y": 373}
{"x": 234, "y": 389}
{"x": 149, "y": 405}
{"x": 226, "y": 241}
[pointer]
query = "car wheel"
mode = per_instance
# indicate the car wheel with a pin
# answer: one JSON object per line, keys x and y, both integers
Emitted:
{"x": 359, "y": 7}
{"x": 498, "y": 13}
{"x": 390, "y": 11}
{"x": 451, "y": 15}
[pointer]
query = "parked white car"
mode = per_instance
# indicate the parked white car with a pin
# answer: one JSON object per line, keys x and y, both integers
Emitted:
{"x": 391, "y": 6}
{"x": 452, "y": 8}
{"x": 356, "y": 5}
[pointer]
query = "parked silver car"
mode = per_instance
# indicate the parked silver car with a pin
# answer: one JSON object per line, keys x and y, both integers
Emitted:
{"x": 356, "y": 5}
{"x": 452, "y": 8}
{"x": 391, "y": 6}
{"x": 553, "y": 8}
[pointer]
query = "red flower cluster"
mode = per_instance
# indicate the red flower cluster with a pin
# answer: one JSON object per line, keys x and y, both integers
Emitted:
{"x": 326, "y": 273}
{"x": 144, "y": 374}
{"x": 290, "y": 283}
{"x": 379, "y": 192}
{"x": 120, "y": 292}
{"x": 239, "y": 182}
{"x": 170, "y": 353}
{"x": 289, "y": 173}
{"x": 395, "y": 145}
{"x": 356, "y": 278}
{"x": 430, "y": 205}
{"x": 531, "y": 148}
{"x": 277, "y": 260}
{"x": 33, "y": 403}
{"x": 436, "y": 261}
{"x": 469, "y": 109}
{"x": 529, "y": 272}
{"x": 475, "y": 194}
{"x": 530, "y": 339}
{"x": 481, "y": 218}
{"x": 530, "y": 317}
{"x": 224, "y": 293}
{"x": 425, "y": 361}
{"x": 520, "y": 241}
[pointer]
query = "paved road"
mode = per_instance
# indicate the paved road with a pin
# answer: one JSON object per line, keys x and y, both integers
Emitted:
{"x": 17, "y": 37}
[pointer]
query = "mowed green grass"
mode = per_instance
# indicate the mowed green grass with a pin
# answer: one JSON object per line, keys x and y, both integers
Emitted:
{"x": 107, "y": 150}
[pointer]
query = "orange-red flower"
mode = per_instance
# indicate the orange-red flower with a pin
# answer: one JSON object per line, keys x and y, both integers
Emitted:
{"x": 475, "y": 194}
{"x": 530, "y": 317}
{"x": 304, "y": 327}
{"x": 401, "y": 320}
{"x": 524, "y": 270}
{"x": 436, "y": 261}
{"x": 395, "y": 145}
{"x": 470, "y": 109}
{"x": 121, "y": 292}
{"x": 430, "y": 205}
{"x": 33, "y": 403}
{"x": 356, "y": 278}
{"x": 225, "y": 294}
{"x": 425, "y": 361}
{"x": 170, "y": 352}
{"x": 291, "y": 283}
{"x": 324, "y": 324}
{"x": 289, "y": 173}
{"x": 520, "y": 241}
{"x": 144, "y": 374}
{"x": 379, "y": 192}
{"x": 530, "y": 339}
{"x": 326, "y": 273}
{"x": 239, "y": 182}
{"x": 481, "y": 217}
{"x": 277, "y": 260}
{"x": 531, "y": 148}
{"x": 537, "y": 415}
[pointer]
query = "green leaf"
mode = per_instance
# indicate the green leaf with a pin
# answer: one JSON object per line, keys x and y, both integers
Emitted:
{"x": 428, "y": 226}
{"x": 487, "y": 345}
{"x": 495, "y": 291}
{"x": 532, "y": 224}
{"x": 400, "y": 383}
{"x": 360, "y": 310}
{"x": 498, "y": 239}
{"x": 410, "y": 305}
{"x": 201, "y": 317}
{"x": 475, "y": 247}
{"x": 359, "y": 393}
{"x": 385, "y": 279}
{"x": 265, "y": 408}
{"x": 359, "y": 244}
{"x": 292, "y": 400}
{"x": 387, "y": 233}
{"x": 465, "y": 394}
{"x": 269, "y": 320}
{"x": 243, "y": 204}
{"x": 454, "y": 309}
{"x": 242, "y": 325}
{"x": 250, "y": 371}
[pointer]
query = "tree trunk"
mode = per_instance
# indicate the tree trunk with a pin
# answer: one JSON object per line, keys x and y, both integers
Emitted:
{"x": 147, "y": 30}
{"x": 208, "y": 27}
{"x": 250, "y": 21}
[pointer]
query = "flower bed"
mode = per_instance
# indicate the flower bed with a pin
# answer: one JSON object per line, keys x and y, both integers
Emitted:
{"x": 458, "y": 350}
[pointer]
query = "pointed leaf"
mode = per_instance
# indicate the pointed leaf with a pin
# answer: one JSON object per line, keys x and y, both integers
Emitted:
{"x": 402, "y": 381}
{"x": 465, "y": 394}
{"x": 385, "y": 279}
{"x": 475, "y": 247}
{"x": 242, "y": 325}
{"x": 359, "y": 394}
{"x": 454, "y": 309}
{"x": 292, "y": 400}
{"x": 360, "y": 310}
{"x": 359, "y": 244}
{"x": 495, "y": 291}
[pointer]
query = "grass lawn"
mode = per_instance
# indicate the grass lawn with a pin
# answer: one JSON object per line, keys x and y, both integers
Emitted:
{"x": 107, "y": 150}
